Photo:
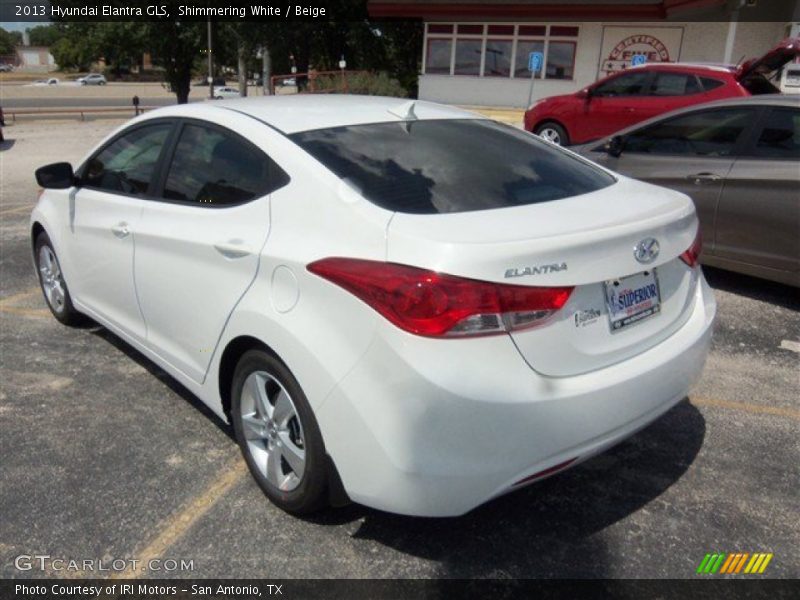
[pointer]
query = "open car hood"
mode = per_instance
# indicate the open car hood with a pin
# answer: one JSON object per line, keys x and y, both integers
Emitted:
{"x": 781, "y": 54}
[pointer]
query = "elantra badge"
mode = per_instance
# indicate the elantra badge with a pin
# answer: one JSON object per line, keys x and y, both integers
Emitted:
{"x": 537, "y": 270}
{"x": 646, "y": 251}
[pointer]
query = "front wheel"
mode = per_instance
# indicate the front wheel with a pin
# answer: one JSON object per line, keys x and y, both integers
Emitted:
{"x": 278, "y": 434}
{"x": 553, "y": 132}
{"x": 51, "y": 280}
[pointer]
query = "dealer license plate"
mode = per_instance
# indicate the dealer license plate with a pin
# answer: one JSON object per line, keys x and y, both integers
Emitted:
{"x": 632, "y": 299}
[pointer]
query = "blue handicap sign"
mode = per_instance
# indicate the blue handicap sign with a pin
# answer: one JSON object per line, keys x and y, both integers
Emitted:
{"x": 638, "y": 59}
{"x": 535, "y": 60}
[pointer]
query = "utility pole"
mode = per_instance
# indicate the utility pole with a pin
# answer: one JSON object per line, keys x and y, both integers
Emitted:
{"x": 266, "y": 70}
{"x": 210, "y": 65}
{"x": 241, "y": 54}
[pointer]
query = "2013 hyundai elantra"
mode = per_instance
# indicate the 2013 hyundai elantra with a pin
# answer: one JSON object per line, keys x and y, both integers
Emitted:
{"x": 398, "y": 303}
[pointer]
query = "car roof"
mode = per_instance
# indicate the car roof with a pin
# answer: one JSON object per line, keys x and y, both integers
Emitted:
{"x": 304, "y": 112}
{"x": 689, "y": 66}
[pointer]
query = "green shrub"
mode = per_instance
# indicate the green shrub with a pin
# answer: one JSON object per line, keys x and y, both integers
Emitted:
{"x": 362, "y": 82}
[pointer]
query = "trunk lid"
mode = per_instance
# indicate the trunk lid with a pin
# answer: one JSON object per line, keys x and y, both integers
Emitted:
{"x": 582, "y": 241}
{"x": 781, "y": 54}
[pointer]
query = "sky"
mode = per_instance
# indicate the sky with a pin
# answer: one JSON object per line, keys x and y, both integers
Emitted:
{"x": 17, "y": 25}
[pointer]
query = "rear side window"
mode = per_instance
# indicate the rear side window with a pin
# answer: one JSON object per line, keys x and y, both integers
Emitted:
{"x": 704, "y": 133}
{"x": 780, "y": 135}
{"x": 127, "y": 164}
{"x": 449, "y": 166}
{"x": 210, "y": 167}
{"x": 709, "y": 83}
{"x": 675, "y": 84}
{"x": 628, "y": 84}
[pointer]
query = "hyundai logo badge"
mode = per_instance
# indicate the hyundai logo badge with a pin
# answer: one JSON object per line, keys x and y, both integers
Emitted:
{"x": 646, "y": 251}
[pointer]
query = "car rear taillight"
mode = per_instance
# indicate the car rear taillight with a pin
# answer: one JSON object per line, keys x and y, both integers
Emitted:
{"x": 692, "y": 255}
{"x": 439, "y": 305}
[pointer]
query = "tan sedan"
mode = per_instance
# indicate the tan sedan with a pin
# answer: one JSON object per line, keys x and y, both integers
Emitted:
{"x": 739, "y": 160}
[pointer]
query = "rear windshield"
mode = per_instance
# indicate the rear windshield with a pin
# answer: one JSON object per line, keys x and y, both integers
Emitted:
{"x": 448, "y": 166}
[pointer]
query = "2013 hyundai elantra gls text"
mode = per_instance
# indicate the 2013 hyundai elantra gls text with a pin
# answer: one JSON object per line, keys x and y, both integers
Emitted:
{"x": 393, "y": 302}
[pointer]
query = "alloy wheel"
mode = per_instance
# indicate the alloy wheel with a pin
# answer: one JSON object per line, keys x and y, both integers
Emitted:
{"x": 52, "y": 280}
{"x": 551, "y": 135}
{"x": 273, "y": 431}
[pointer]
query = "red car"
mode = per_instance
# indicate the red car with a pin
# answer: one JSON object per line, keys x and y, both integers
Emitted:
{"x": 642, "y": 92}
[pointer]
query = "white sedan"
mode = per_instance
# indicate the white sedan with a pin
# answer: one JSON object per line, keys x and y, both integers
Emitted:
{"x": 223, "y": 92}
{"x": 396, "y": 303}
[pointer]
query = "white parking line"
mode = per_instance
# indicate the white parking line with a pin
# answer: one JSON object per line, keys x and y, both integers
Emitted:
{"x": 790, "y": 345}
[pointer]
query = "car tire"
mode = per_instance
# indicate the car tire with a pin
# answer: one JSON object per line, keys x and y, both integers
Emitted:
{"x": 278, "y": 434}
{"x": 553, "y": 132}
{"x": 51, "y": 280}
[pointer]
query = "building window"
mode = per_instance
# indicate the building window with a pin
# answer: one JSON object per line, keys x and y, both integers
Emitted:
{"x": 537, "y": 30}
{"x": 524, "y": 48}
{"x": 560, "y": 60}
{"x": 468, "y": 57}
{"x": 437, "y": 57}
{"x": 440, "y": 28}
{"x": 470, "y": 29}
{"x": 561, "y": 31}
{"x": 498, "y": 58}
{"x": 500, "y": 50}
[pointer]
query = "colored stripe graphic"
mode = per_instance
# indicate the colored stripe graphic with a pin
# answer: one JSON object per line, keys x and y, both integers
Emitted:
{"x": 741, "y": 562}
{"x": 718, "y": 563}
{"x": 727, "y": 564}
{"x": 733, "y": 563}
{"x": 703, "y": 563}
{"x": 765, "y": 563}
{"x": 752, "y": 562}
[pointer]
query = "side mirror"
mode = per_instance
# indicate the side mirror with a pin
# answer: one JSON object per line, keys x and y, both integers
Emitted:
{"x": 58, "y": 176}
{"x": 584, "y": 94}
{"x": 615, "y": 146}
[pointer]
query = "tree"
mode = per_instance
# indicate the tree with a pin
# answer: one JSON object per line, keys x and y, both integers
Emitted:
{"x": 9, "y": 40}
{"x": 175, "y": 46}
{"x": 120, "y": 44}
{"x": 76, "y": 48}
{"x": 45, "y": 35}
{"x": 403, "y": 43}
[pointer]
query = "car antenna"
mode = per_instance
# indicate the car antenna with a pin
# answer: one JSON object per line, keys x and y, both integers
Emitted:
{"x": 405, "y": 111}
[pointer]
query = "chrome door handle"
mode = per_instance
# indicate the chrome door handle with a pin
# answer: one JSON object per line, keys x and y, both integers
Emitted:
{"x": 703, "y": 178}
{"x": 121, "y": 230}
{"x": 232, "y": 249}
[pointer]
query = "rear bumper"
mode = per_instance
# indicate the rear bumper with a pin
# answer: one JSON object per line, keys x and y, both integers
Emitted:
{"x": 418, "y": 428}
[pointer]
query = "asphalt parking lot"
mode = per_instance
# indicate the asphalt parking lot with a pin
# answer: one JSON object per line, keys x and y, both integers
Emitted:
{"x": 105, "y": 456}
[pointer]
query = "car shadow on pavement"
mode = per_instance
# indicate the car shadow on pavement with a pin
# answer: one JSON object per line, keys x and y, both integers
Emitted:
{"x": 553, "y": 528}
{"x": 753, "y": 287}
{"x": 157, "y": 372}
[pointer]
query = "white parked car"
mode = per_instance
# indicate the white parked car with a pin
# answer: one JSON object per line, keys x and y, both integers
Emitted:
{"x": 92, "y": 79}
{"x": 400, "y": 303}
{"x": 221, "y": 93}
{"x": 790, "y": 79}
{"x": 45, "y": 82}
